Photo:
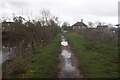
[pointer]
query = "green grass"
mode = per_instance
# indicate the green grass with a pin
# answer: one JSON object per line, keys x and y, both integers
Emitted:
{"x": 45, "y": 61}
{"x": 95, "y": 60}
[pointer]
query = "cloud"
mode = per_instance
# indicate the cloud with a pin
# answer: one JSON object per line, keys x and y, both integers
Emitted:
{"x": 70, "y": 10}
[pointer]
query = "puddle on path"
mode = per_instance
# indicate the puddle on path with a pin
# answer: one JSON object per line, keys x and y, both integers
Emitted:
{"x": 66, "y": 54}
{"x": 68, "y": 70}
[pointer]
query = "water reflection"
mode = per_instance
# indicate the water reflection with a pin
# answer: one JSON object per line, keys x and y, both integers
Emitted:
{"x": 66, "y": 54}
{"x": 64, "y": 42}
{"x": 67, "y": 68}
{"x": 6, "y": 51}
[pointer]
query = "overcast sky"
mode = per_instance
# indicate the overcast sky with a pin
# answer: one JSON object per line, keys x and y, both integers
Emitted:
{"x": 67, "y": 10}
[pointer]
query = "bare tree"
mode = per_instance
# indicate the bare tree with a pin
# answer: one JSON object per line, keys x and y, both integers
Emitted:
{"x": 98, "y": 23}
{"x": 46, "y": 15}
{"x": 65, "y": 25}
{"x": 90, "y": 24}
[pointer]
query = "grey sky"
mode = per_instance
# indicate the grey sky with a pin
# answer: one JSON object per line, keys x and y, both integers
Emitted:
{"x": 67, "y": 10}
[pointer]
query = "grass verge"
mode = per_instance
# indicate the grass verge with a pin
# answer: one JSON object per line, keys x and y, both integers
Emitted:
{"x": 96, "y": 60}
{"x": 45, "y": 61}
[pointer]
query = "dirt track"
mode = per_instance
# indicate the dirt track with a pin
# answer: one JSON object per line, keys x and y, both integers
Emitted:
{"x": 69, "y": 64}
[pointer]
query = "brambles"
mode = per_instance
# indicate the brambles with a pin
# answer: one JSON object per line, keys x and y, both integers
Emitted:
{"x": 23, "y": 37}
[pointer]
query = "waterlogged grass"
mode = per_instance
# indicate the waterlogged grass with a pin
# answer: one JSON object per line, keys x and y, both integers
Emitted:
{"x": 95, "y": 60}
{"x": 45, "y": 61}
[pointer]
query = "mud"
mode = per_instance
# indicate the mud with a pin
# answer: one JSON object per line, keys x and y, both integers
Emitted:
{"x": 69, "y": 64}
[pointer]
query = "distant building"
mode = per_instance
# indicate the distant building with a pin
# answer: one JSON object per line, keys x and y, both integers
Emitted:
{"x": 117, "y": 25}
{"x": 114, "y": 30}
{"x": 79, "y": 25}
{"x": 102, "y": 28}
{"x": 91, "y": 29}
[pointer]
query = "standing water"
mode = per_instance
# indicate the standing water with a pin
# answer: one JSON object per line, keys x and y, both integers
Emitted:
{"x": 68, "y": 65}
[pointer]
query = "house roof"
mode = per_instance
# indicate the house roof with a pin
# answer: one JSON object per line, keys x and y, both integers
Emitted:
{"x": 79, "y": 24}
{"x": 117, "y": 25}
{"x": 7, "y": 22}
{"x": 105, "y": 26}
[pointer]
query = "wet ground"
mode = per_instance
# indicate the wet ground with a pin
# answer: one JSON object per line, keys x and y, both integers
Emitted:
{"x": 69, "y": 64}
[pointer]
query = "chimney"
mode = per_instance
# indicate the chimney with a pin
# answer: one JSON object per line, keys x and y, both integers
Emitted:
{"x": 81, "y": 20}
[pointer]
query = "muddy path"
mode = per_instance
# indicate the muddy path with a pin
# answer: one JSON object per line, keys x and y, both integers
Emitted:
{"x": 69, "y": 64}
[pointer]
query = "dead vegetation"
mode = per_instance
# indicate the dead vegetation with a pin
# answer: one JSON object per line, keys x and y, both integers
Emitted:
{"x": 23, "y": 37}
